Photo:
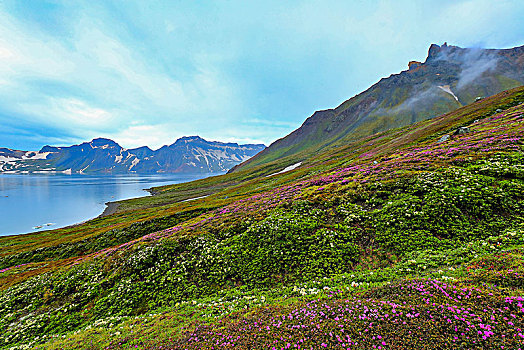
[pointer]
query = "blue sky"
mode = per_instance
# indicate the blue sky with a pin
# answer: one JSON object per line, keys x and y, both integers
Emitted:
{"x": 148, "y": 72}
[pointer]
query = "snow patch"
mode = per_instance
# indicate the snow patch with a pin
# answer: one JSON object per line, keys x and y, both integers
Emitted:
{"x": 203, "y": 153}
{"x": 447, "y": 89}
{"x": 286, "y": 169}
{"x": 37, "y": 155}
{"x": 7, "y": 159}
{"x": 134, "y": 162}
{"x": 194, "y": 199}
{"x": 218, "y": 153}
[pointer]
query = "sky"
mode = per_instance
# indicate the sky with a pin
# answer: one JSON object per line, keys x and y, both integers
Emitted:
{"x": 149, "y": 72}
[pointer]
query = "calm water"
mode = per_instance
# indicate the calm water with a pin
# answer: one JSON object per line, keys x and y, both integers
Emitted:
{"x": 27, "y": 201}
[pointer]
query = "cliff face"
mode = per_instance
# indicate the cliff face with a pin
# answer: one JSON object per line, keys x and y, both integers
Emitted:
{"x": 449, "y": 78}
{"x": 187, "y": 155}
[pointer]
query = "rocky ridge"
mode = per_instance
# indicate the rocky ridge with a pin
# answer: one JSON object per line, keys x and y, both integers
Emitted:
{"x": 190, "y": 154}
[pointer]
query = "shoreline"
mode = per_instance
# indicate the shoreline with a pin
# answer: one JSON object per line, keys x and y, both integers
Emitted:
{"x": 111, "y": 208}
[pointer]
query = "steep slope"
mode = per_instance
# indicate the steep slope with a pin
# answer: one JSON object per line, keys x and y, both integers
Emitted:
{"x": 188, "y": 154}
{"x": 409, "y": 238}
{"x": 449, "y": 78}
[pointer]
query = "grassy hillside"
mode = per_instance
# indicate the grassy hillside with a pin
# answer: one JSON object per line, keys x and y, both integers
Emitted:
{"x": 392, "y": 241}
{"x": 449, "y": 78}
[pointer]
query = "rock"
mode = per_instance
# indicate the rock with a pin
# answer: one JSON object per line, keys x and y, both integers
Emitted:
{"x": 478, "y": 98}
{"x": 433, "y": 51}
{"x": 444, "y": 138}
{"x": 414, "y": 64}
{"x": 498, "y": 110}
{"x": 462, "y": 130}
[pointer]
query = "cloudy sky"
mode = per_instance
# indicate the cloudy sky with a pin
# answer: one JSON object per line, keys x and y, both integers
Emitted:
{"x": 148, "y": 72}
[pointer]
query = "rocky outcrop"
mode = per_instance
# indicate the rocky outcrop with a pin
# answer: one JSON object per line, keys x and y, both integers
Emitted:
{"x": 462, "y": 130}
{"x": 414, "y": 64}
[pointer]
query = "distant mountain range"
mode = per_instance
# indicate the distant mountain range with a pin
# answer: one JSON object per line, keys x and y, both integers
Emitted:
{"x": 190, "y": 154}
{"x": 449, "y": 78}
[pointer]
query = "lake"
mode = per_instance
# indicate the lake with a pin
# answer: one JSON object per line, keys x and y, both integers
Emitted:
{"x": 28, "y": 201}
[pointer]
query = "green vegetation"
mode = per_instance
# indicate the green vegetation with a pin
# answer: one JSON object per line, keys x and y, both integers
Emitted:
{"x": 392, "y": 241}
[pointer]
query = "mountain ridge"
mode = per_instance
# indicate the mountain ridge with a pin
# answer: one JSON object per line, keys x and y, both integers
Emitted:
{"x": 188, "y": 154}
{"x": 449, "y": 78}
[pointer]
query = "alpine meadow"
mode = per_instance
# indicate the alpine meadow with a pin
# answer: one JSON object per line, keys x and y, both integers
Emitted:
{"x": 392, "y": 221}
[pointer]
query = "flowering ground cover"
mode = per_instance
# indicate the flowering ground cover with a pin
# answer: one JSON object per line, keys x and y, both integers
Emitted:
{"x": 445, "y": 282}
{"x": 505, "y": 269}
{"x": 395, "y": 241}
{"x": 427, "y": 314}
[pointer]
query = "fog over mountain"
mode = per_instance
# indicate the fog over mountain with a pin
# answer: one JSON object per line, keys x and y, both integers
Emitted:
{"x": 449, "y": 78}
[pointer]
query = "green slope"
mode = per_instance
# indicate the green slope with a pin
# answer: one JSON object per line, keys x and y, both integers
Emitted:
{"x": 395, "y": 220}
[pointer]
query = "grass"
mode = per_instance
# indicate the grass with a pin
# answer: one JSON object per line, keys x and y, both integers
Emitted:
{"x": 367, "y": 225}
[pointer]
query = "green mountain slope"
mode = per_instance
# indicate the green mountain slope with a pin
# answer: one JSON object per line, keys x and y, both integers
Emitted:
{"x": 397, "y": 240}
{"x": 449, "y": 78}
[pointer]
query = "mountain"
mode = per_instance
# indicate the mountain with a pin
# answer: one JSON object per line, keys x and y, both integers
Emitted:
{"x": 11, "y": 159}
{"x": 190, "y": 154}
{"x": 449, "y": 78}
{"x": 412, "y": 238}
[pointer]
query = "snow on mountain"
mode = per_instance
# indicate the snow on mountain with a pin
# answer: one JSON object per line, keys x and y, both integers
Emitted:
{"x": 191, "y": 154}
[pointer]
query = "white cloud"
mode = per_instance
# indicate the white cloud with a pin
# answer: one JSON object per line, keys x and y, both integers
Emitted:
{"x": 147, "y": 74}
{"x": 121, "y": 69}
{"x": 121, "y": 86}
{"x": 24, "y": 54}
{"x": 80, "y": 113}
{"x": 154, "y": 136}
